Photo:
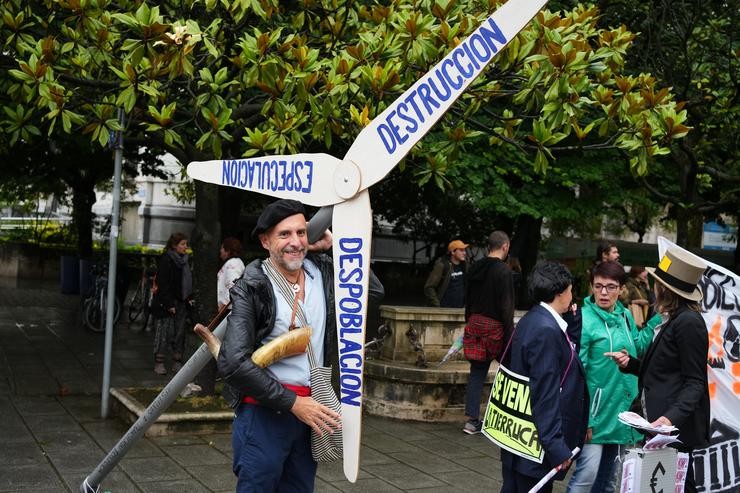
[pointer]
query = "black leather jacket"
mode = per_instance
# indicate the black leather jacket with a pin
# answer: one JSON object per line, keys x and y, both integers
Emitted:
{"x": 252, "y": 318}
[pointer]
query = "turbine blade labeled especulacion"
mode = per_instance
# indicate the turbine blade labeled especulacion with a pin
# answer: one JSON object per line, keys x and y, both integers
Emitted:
{"x": 308, "y": 178}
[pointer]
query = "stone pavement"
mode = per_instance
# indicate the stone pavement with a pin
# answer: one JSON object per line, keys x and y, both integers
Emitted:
{"x": 52, "y": 436}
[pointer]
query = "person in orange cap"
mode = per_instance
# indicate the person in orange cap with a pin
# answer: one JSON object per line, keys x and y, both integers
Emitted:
{"x": 445, "y": 285}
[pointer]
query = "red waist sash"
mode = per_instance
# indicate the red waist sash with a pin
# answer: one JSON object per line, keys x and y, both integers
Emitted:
{"x": 299, "y": 390}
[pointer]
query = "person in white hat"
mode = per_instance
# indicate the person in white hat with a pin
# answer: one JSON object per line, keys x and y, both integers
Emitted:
{"x": 673, "y": 373}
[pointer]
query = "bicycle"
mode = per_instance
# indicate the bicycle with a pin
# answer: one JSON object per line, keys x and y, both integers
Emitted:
{"x": 95, "y": 306}
{"x": 141, "y": 301}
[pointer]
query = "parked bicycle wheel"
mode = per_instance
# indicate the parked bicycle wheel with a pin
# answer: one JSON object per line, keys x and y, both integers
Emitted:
{"x": 140, "y": 306}
{"x": 94, "y": 315}
{"x": 96, "y": 309}
{"x": 138, "y": 302}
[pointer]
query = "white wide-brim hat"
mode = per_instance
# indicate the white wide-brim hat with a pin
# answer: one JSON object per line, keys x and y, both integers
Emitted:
{"x": 680, "y": 272}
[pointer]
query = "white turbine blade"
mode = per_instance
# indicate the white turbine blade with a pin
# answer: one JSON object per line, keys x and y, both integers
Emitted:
{"x": 352, "y": 233}
{"x": 308, "y": 178}
{"x": 392, "y": 134}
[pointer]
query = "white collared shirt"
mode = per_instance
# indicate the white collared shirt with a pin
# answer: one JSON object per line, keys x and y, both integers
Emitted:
{"x": 563, "y": 326}
{"x": 294, "y": 370}
{"x": 562, "y": 323}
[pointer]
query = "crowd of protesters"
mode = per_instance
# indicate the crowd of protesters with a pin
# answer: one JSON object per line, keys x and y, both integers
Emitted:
{"x": 624, "y": 346}
{"x": 627, "y": 347}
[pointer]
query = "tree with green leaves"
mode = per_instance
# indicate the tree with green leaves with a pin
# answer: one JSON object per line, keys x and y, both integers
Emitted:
{"x": 692, "y": 45}
{"x": 490, "y": 173}
{"x": 213, "y": 79}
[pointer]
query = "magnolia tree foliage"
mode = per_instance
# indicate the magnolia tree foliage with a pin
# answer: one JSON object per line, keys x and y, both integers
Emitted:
{"x": 232, "y": 78}
{"x": 246, "y": 77}
{"x": 692, "y": 45}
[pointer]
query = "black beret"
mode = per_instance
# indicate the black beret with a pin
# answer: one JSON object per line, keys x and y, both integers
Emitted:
{"x": 276, "y": 212}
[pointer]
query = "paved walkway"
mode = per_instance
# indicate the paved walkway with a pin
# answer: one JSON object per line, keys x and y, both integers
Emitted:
{"x": 52, "y": 436}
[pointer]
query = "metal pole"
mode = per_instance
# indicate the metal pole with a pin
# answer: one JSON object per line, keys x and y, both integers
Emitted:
{"x": 160, "y": 404}
{"x": 112, "y": 266}
{"x": 319, "y": 223}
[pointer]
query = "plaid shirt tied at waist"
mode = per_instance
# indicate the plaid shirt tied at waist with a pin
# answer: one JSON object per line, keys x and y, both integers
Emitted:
{"x": 483, "y": 339}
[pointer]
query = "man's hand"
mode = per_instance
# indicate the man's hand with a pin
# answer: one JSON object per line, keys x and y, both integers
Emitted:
{"x": 566, "y": 464}
{"x": 322, "y": 244}
{"x": 589, "y": 435}
{"x": 319, "y": 417}
{"x": 621, "y": 358}
{"x": 662, "y": 421}
{"x": 172, "y": 310}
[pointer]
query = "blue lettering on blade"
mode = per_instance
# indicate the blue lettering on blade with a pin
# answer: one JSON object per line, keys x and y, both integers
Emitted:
{"x": 268, "y": 176}
{"x": 453, "y": 74}
{"x": 350, "y": 314}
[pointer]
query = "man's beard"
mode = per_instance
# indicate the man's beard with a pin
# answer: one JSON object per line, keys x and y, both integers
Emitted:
{"x": 278, "y": 257}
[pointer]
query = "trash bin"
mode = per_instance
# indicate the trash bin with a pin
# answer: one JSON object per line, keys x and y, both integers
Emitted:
{"x": 70, "y": 274}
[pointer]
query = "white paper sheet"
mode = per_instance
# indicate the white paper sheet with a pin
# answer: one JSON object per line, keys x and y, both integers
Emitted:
{"x": 636, "y": 421}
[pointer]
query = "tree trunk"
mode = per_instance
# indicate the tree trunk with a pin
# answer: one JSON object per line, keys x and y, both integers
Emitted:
{"x": 696, "y": 230}
{"x": 689, "y": 228}
{"x": 230, "y": 207}
{"x": 206, "y": 240}
{"x": 682, "y": 227}
{"x": 688, "y": 183}
{"x": 83, "y": 198}
{"x": 525, "y": 245}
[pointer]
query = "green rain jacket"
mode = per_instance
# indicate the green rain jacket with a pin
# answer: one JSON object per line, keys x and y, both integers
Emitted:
{"x": 611, "y": 391}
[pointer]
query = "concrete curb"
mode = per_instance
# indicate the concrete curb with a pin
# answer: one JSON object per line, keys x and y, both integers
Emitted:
{"x": 128, "y": 408}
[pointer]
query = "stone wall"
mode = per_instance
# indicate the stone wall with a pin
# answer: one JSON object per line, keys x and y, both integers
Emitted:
{"x": 22, "y": 260}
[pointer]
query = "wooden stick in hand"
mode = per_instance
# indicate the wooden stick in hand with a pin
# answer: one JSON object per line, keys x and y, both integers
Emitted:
{"x": 206, "y": 333}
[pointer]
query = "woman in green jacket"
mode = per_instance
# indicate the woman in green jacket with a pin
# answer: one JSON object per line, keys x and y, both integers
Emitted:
{"x": 607, "y": 326}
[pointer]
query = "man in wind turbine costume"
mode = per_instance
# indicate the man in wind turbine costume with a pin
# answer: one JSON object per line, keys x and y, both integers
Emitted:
{"x": 274, "y": 410}
{"x": 322, "y": 180}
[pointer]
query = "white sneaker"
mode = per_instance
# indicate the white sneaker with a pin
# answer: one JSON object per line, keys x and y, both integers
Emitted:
{"x": 473, "y": 426}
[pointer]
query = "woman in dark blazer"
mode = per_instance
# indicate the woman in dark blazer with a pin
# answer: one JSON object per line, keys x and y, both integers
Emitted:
{"x": 673, "y": 373}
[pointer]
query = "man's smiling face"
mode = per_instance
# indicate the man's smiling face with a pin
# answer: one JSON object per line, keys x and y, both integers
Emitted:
{"x": 287, "y": 243}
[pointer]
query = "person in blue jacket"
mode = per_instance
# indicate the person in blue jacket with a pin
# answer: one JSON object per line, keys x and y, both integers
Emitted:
{"x": 542, "y": 351}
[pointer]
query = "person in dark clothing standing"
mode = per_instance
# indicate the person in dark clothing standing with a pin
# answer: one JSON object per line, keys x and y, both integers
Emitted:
{"x": 541, "y": 351}
{"x": 489, "y": 315}
{"x": 171, "y": 302}
{"x": 445, "y": 285}
{"x": 516, "y": 274}
{"x": 672, "y": 376}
